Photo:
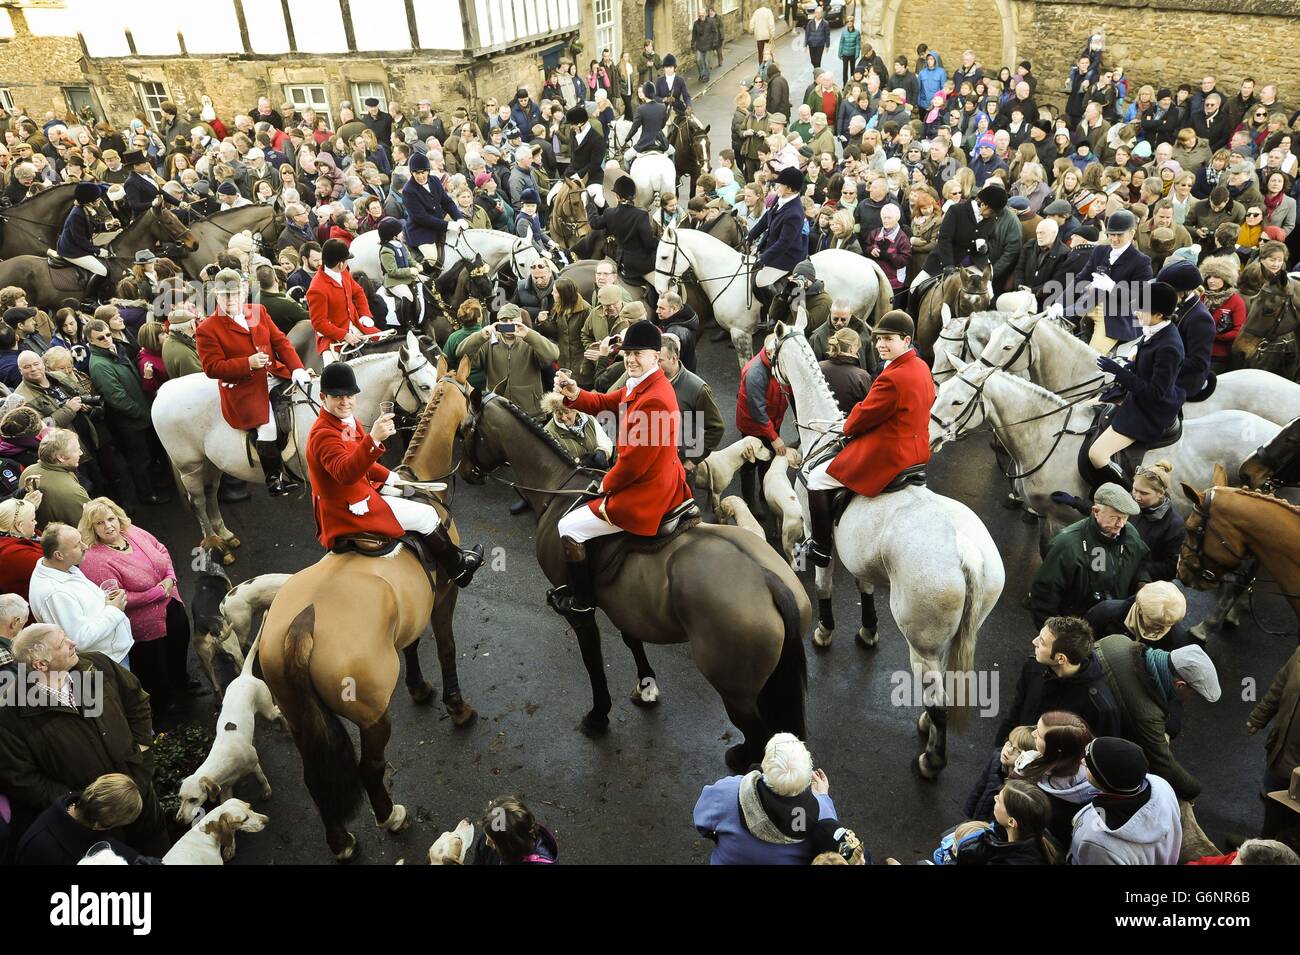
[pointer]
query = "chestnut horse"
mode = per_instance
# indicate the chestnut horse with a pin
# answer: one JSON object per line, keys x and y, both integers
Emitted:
{"x": 963, "y": 291}
{"x": 335, "y": 635}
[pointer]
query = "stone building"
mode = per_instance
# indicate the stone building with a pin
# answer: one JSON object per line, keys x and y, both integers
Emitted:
{"x": 120, "y": 58}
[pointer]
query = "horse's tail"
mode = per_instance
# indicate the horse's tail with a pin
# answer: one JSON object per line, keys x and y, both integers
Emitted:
{"x": 961, "y": 652}
{"x": 781, "y": 701}
{"x": 329, "y": 760}
{"x": 884, "y": 297}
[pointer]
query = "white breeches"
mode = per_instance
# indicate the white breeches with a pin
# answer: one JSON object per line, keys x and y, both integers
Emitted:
{"x": 595, "y": 189}
{"x": 413, "y": 515}
{"x": 819, "y": 480}
{"x": 267, "y": 431}
{"x": 90, "y": 263}
{"x": 768, "y": 274}
{"x": 328, "y": 357}
{"x": 580, "y": 524}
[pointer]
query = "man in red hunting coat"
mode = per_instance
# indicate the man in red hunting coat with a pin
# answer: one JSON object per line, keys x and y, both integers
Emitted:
{"x": 352, "y": 493}
{"x": 647, "y": 479}
{"x": 241, "y": 347}
{"x": 337, "y": 304}
{"x": 888, "y": 430}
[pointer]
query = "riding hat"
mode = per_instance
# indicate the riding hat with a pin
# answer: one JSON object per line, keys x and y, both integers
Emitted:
{"x": 642, "y": 334}
{"x": 527, "y": 196}
{"x": 1161, "y": 298}
{"x": 576, "y": 115}
{"x": 338, "y": 380}
{"x": 1121, "y": 220}
{"x": 133, "y": 157}
{"x": 670, "y": 60}
{"x": 388, "y": 228}
{"x": 418, "y": 163}
{"x": 791, "y": 178}
{"x": 1182, "y": 275}
{"x": 89, "y": 191}
{"x": 995, "y": 197}
{"x": 895, "y": 322}
{"x": 625, "y": 188}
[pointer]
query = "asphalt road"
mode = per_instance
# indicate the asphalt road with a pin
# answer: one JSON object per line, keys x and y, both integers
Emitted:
{"x": 627, "y": 798}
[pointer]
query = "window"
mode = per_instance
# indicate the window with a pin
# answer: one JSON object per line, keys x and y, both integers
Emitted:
{"x": 310, "y": 97}
{"x": 728, "y": 6}
{"x": 152, "y": 96}
{"x": 606, "y": 30}
{"x": 7, "y": 100}
{"x": 81, "y": 101}
{"x": 363, "y": 91}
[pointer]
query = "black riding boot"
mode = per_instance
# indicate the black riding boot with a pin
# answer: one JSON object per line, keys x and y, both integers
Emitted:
{"x": 577, "y": 596}
{"x": 819, "y": 510}
{"x": 277, "y": 483}
{"x": 460, "y": 563}
{"x": 95, "y": 284}
{"x": 232, "y": 490}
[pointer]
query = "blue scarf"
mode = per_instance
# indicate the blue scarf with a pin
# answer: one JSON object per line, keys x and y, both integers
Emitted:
{"x": 1157, "y": 662}
{"x": 399, "y": 252}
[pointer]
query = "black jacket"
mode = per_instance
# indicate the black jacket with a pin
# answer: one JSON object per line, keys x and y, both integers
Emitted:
{"x": 649, "y": 120}
{"x": 1216, "y": 129}
{"x": 630, "y": 227}
{"x": 1162, "y": 530}
{"x": 55, "y": 838}
{"x": 990, "y": 849}
{"x": 1038, "y": 266}
{"x": 958, "y": 233}
{"x": 587, "y": 158}
{"x": 1039, "y": 690}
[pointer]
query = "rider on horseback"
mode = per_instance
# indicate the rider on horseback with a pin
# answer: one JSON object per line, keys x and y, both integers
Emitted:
{"x": 630, "y": 227}
{"x": 647, "y": 479}
{"x": 76, "y": 240}
{"x": 430, "y": 212}
{"x": 339, "y": 309}
{"x": 889, "y": 431}
{"x": 347, "y": 482}
{"x": 784, "y": 229}
{"x": 650, "y": 119}
{"x": 241, "y": 347}
{"x": 586, "y": 150}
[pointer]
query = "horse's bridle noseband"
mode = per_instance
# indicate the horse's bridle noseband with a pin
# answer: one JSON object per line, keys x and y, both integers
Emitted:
{"x": 1194, "y": 548}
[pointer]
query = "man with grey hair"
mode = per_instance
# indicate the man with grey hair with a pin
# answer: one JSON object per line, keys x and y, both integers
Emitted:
{"x": 61, "y": 594}
{"x": 674, "y": 315}
{"x": 841, "y": 317}
{"x": 92, "y": 717}
{"x": 13, "y": 617}
{"x": 297, "y": 228}
{"x": 522, "y": 177}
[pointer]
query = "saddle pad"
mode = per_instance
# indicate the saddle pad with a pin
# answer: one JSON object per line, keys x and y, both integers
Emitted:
{"x": 610, "y": 552}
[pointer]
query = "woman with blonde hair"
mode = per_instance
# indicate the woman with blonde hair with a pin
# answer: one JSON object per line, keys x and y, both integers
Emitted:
{"x": 841, "y": 230}
{"x": 1160, "y": 526}
{"x": 19, "y": 547}
{"x": 77, "y": 823}
{"x": 117, "y": 550}
{"x": 926, "y": 220}
{"x": 965, "y": 178}
{"x": 1031, "y": 184}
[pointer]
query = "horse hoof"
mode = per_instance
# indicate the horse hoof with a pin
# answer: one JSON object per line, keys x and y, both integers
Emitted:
{"x": 461, "y": 714}
{"x": 868, "y": 639}
{"x": 227, "y": 558}
{"x": 646, "y": 693}
{"x": 423, "y": 694}
{"x": 266, "y": 793}
{"x": 923, "y": 724}
{"x": 821, "y": 638}
{"x": 593, "y": 726}
{"x": 348, "y": 852}
{"x": 232, "y": 541}
{"x": 927, "y": 770}
{"x": 738, "y": 758}
{"x": 398, "y": 820}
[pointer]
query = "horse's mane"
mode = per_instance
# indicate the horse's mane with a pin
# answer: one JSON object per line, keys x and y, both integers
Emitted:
{"x": 1032, "y": 388}
{"x": 63, "y": 188}
{"x": 1292, "y": 509}
{"x": 819, "y": 378}
{"x": 376, "y": 349}
{"x": 531, "y": 424}
{"x": 422, "y": 426}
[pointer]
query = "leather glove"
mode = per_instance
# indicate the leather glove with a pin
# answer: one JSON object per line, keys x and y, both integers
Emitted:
{"x": 1109, "y": 365}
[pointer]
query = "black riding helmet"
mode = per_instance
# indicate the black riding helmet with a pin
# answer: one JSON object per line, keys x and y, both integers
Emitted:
{"x": 338, "y": 380}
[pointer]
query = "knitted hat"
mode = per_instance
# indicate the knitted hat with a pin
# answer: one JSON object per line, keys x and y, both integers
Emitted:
{"x": 227, "y": 188}
{"x": 1116, "y": 765}
{"x": 482, "y": 179}
{"x": 985, "y": 142}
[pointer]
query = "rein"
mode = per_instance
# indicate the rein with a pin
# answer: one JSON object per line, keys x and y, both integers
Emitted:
{"x": 671, "y": 271}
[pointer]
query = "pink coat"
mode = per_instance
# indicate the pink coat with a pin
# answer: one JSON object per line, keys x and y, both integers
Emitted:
{"x": 151, "y": 385}
{"x": 141, "y": 573}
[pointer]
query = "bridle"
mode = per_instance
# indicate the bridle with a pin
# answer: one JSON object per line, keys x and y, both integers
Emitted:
{"x": 671, "y": 272}
{"x": 469, "y": 438}
{"x": 1193, "y": 554}
{"x": 572, "y": 224}
{"x": 828, "y": 436}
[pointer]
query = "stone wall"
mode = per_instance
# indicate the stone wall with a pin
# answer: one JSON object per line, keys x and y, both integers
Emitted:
{"x": 35, "y": 69}
{"x": 955, "y": 26}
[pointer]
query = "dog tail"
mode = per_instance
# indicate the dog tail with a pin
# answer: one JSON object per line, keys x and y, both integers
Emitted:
{"x": 329, "y": 760}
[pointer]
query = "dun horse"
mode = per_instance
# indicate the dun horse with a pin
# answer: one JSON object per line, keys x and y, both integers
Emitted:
{"x": 331, "y": 641}
{"x": 744, "y": 627}
{"x": 962, "y": 292}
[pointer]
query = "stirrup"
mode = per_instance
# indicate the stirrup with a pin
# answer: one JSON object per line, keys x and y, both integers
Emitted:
{"x": 562, "y": 599}
{"x": 471, "y": 559}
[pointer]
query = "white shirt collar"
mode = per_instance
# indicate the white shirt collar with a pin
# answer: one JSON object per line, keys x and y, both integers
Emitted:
{"x": 1150, "y": 331}
{"x": 581, "y": 134}
{"x": 336, "y": 276}
{"x": 633, "y": 382}
{"x": 975, "y": 208}
{"x": 1116, "y": 253}
{"x": 781, "y": 202}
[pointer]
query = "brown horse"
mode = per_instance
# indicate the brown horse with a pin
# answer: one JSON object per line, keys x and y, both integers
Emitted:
{"x": 583, "y": 275}
{"x": 214, "y": 233}
{"x": 52, "y": 288}
{"x": 1268, "y": 340}
{"x": 744, "y": 627}
{"x": 964, "y": 291}
{"x": 569, "y": 214}
{"x": 1230, "y": 525}
{"x": 33, "y": 225}
{"x": 690, "y": 141}
{"x": 332, "y": 637}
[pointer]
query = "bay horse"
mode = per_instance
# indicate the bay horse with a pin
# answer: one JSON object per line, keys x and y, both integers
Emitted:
{"x": 33, "y": 225}
{"x": 336, "y": 635}
{"x": 1276, "y": 464}
{"x": 962, "y": 291}
{"x": 744, "y": 626}
{"x": 568, "y": 205}
{"x": 690, "y": 141}
{"x": 52, "y": 288}
{"x": 944, "y": 571}
{"x": 215, "y": 231}
{"x": 1228, "y": 526}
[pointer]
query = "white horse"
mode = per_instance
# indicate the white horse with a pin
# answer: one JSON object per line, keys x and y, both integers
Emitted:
{"x": 496, "y": 248}
{"x": 942, "y": 568}
{"x": 965, "y": 338}
{"x": 654, "y": 174}
{"x": 187, "y": 417}
{"x": 1042, "y": 432}
{"x": 722, "y": 274}
{"x": 1058, "y": 361}
{"x": 619, "y": 139}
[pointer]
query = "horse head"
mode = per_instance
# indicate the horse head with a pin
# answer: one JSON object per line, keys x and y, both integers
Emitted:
{"x": 480, "y": 452}
{"x": 670, "y": 263}
{"x": 1213, "y": 547}
{"x": 959, "y": 403}
{"x": 418, "y": 376}
{"x": 1009, "y": 346}
{"x": 479, "y": 283}
{"x": 168, "y": 228}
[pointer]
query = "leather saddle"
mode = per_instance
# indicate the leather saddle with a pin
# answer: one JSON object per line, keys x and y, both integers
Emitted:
{"x": 61, "y": 270}
{"x": 608, "y": 553}
{"x": 916, "y": 294}
{"x": 1130, "y": 459}
{"x": 908, "y": 477}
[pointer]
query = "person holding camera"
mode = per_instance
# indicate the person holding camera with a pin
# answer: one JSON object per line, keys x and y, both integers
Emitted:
{"x": 512, "y": 356}
{"x": 56, "y": 398}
